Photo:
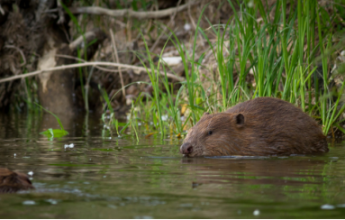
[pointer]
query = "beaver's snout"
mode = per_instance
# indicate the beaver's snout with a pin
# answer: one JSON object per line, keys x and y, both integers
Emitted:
{"x": 186, "y": 148}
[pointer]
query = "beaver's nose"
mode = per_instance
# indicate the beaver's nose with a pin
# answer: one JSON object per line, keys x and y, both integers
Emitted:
{"x": 186, "y": 148}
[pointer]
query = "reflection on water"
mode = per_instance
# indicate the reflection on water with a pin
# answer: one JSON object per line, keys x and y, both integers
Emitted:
{"x": 99, "y": 176}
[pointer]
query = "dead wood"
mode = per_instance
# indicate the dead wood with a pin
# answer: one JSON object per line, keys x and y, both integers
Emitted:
{"x": 70, "y": 66}
{"x": 87, "y": 37}
{"x": 130, "y": 13}
{"x": 57, "y": 87}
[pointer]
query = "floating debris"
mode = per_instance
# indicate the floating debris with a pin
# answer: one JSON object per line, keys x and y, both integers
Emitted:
{"x": 69, "y": 146}
{"x": 327, "y": 207}
{"x": 256, "y": 212}
{"x": 29, "y": 202}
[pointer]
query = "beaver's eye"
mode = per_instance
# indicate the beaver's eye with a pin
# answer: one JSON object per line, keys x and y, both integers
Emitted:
{"x": 209, "y": 132}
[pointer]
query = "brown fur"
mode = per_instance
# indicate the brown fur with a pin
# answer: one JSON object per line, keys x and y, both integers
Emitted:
{"x": 13, "y": 182}
{"x": 259, "y": 127}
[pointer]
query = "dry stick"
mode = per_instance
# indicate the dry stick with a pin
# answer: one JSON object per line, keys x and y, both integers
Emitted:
{"x": 63, "y": 67}
{"x": 130, "y": 13}
{"x": 164, "y": 29}
{"x": 116, "y": 59}
{"x": 80, "y": 39}
{"x": 194, "y": 26}
{"x": 61, "y": 14}
{"x": 20, "y": 51}
{"x": 84, "y": 61}
{"x": 158, "y": 39}
{"x": 2, "y": 10}
{"x": 128, "y": 31}
{"x": 191, "y": 18}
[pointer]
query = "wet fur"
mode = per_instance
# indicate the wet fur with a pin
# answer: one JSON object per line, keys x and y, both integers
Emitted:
{"x": 270, "y": 126}
{"x": 13, "y": 182}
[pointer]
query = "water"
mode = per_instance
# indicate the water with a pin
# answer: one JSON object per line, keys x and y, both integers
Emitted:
{"x": 103, "y": 177}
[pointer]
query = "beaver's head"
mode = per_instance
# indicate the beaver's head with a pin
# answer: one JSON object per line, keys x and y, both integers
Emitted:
{"x": 215, "y": 135}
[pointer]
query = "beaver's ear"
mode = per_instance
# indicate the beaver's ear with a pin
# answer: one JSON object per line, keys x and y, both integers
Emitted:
{"x": 239, "y": 120}
{"x": 204, "y": 115}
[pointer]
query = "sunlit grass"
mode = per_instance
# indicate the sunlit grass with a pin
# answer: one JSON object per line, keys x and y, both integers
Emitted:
{"x": 279, "y": 50}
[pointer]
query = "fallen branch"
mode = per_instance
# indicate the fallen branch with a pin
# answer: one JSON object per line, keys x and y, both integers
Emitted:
{"x": 84, "y": 61}
{"x": 130, "y": 13}
{"x": 81, "y": 39}
{"x": 88, "y": 36}
{"x": 63, "y": 67}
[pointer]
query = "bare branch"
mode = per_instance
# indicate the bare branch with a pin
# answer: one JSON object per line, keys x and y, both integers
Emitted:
{"x": 63, "y": 67}
{"x": 84, "y": 61}
{"x": 130, "y": 13}
{"x": 87, "y": 36}
{"x": 61, "y": 14}
{"x": 2, "y": 10}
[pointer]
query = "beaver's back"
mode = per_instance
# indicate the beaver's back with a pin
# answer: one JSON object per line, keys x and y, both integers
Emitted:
{"x": 13, "y": 182}
{"x": 259, "y": 127}
{"x": 278, "y": 127}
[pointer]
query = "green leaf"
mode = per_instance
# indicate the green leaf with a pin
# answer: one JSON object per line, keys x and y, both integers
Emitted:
{"x": 51, "y": 133}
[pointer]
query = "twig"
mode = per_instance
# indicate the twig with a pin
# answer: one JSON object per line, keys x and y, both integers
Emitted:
{"x": 158, "y": 39}
{"x": 116, "y": 59}
{"x": 165, "y": 28}
{"x": 61, "y": 13}
{"x": 2, "y": 10}
{"x": 128, "y": 32}
{"x": 63, "y": 67}
{"x": 84, "y": 61}
{"x": 20, "y": 51}
{"x": 194, "y": 26}
{"x": 80, "y": 39}
{"x": 130, "y": 13}
{"x": 191, "y": 18}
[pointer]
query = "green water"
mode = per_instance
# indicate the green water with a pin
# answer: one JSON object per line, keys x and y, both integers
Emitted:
{"x": 108, "y": 177}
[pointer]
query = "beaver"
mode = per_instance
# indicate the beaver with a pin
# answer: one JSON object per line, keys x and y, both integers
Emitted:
{"x": 13, "y": 182}
{"x": 259, "y": 127}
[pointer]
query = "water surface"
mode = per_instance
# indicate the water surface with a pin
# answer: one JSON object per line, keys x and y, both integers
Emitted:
{"x": 103, "y": 176}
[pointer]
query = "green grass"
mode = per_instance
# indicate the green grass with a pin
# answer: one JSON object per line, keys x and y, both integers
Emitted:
{"x": 260, "y": 51}
{"x": 280, "y": 51}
